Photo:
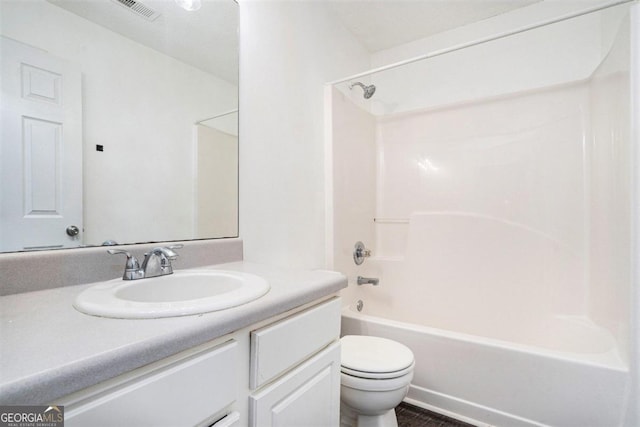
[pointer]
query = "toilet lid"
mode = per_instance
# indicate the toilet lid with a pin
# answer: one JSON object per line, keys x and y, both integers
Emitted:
{"x": 374, "y": 354}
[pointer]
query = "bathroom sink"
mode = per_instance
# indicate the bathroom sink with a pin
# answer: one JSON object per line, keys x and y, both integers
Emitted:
{"x": 182, "y": 293}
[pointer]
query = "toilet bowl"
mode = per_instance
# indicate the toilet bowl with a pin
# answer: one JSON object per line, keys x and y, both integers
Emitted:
{"x": 374, "y": 378}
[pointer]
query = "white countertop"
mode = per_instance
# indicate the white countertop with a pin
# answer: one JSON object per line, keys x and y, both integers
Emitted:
{"x": 48, "y": 349}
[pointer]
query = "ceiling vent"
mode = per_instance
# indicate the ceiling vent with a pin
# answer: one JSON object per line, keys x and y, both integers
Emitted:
{"x": 139, "y": 9}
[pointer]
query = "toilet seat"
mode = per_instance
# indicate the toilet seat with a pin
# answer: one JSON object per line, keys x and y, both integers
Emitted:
{"x": 377, "y": 375}
{"x": 375, "y": 357}
{"x": 372, "y": 385}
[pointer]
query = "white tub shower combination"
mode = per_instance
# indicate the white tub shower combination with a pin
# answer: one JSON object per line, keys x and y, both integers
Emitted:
{"x": 492, "y": 185}
{"x": 491, "y": 348}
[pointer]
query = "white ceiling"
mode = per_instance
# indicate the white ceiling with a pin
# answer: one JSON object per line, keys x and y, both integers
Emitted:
{"x": 382, "y": 24}
{"x": 206, "y": 39}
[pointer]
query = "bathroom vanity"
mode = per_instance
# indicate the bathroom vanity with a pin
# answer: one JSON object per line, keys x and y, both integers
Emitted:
{"x": 273, "y": 361}
{"x": 292, "y": 364}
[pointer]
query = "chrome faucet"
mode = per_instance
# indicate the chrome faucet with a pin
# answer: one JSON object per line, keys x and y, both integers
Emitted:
{"x": 368, "y": 280}
{"x": 157, "y": 262}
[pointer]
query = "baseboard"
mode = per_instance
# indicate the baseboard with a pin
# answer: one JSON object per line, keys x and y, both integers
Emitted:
{"x": 462, "y": 410}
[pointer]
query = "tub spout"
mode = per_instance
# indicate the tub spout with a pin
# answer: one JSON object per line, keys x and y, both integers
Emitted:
{"x": 368, "y": 280}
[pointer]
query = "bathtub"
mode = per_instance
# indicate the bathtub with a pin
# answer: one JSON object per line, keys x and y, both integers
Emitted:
{"x": 567, "y": 372}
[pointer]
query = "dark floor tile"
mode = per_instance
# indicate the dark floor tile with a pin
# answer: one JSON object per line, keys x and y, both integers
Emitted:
{"x": 413, "y": 416}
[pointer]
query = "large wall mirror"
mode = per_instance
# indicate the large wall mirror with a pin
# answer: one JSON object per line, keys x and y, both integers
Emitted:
{"x": 119, "y": 122}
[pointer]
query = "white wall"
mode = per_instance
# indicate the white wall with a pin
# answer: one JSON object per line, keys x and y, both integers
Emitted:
{"x": 526, "y": 16}
{"x": 288, "y": 50}
{"x": 558, "y": 164}
{"x": 552, "y": 55}
{"x": 609, "y": 169}
{"x": 354, "y": 190}
{"x": 216, "y": 183}
{"x": 633, "y": 411}
{"x": 592, "y": 48}
{"x": 140, "y": 105}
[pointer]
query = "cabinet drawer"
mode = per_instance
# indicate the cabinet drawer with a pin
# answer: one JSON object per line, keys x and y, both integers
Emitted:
{"x": 185, "y": 392}
{"x": 284, "y": 344}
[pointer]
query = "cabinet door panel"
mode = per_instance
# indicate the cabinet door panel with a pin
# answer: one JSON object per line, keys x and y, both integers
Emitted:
{"x": 307, "y": 396}
{"x": 302, "y": 335}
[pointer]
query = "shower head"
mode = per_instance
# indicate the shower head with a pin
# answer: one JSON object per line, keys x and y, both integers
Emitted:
{"x": 368, "y": 90}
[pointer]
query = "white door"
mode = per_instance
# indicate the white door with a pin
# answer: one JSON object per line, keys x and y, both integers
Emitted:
{"x": 40, "y": 149}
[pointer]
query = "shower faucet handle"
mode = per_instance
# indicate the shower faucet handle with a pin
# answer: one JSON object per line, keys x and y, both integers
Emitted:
{"x": 360, "y": 253}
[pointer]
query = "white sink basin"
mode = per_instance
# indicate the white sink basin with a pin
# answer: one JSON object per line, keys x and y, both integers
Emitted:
{"x": 179, "y": 294}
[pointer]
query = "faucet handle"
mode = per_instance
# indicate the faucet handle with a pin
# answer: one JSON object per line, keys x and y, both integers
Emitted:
{"x": 170, "y": 253}
{"x": 132, "y": 262}
{"x": 164, "y": 252}
{"x": 132, "y": 267}
{"x": 360, "y": 253}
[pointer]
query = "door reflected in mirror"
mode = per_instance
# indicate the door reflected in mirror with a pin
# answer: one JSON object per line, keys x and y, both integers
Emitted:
{"x": 117, "y": 127}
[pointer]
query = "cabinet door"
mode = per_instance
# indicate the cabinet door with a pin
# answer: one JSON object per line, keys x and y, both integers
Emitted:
{"x": 307, "y": 396}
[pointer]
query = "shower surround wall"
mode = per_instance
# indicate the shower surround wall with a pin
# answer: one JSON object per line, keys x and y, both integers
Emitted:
{"x": 499, "y": 217}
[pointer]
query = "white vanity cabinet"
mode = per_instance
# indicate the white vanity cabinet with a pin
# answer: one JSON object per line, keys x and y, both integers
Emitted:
{"x": 284, "y": 371}
{"x": 295, "y": 370}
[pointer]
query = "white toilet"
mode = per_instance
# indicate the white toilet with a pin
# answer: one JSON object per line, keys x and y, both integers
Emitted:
{"x": 375, "y": 377}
